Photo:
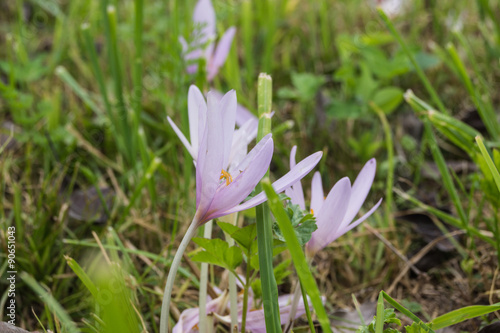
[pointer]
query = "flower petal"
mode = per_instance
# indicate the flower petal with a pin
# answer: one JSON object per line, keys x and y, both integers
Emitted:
{"x": 360, "y": 190}
{"x": 243, "y": 115}
{"x": 183, "y": 139}
{"x": 243, "y": 184}
{"x": 330, "y": 216}
{"x": 221, "y": 53}
{"x": 300, "y": 170}
{"x": 317, "y": 194}
{"x": 297, "y": 187}
{"x": 227, "y": 106}
{"x": 197, "y": 109}
{"x": 210, "y": 160}
{"x": 358, "y": 221}
{"x": 191, "y": 317}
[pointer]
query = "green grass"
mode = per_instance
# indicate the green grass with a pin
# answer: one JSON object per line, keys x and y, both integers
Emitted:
{"x": 88, "y": 86}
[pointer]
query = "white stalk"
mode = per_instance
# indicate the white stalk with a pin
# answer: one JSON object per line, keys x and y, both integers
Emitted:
{"x": 295, "y": 303}
{"x": 165, "y": 307}
{"x": 204, "y": 283}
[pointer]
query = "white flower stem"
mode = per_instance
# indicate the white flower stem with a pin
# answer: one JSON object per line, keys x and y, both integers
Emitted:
{"x": 293, "y": 310}
{"x": 165, "y": 307}
{"x": 204, "y": 283}
{"x": 233, "y": 292}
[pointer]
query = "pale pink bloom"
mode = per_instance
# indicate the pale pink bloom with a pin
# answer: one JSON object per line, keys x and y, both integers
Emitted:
{"x": 203, "y": 41}
{"x": 334, "y": 214}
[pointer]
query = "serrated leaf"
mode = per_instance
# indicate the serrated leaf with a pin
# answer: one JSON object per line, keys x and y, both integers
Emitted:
{"x": 206, "y": 257}
{"x": 303, "y": 224}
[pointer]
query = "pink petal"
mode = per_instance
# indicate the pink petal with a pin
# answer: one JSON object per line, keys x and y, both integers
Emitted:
{"x": 191, "y": 317}
{"x": 243, "y": 115}
{"x": 210, "y": 160}
{"x": 243, "y": 184}
{"x": 297, "y": 187}
{"x": 197, "y": 109}
{"x": 360, "y": 190}
{"x": 358, "y": 221}
{"x": 227, "y": 106}
{"x": 330, "y": 216}
{"x": 317, "y": 195}
{"x": 300, "y": 170}
{"x": 183, "y": 139}
{"x": 221, "y": 53}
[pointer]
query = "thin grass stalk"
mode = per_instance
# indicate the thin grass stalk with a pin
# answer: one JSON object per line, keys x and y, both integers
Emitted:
{"x": 207, "y": 233}
{"x": 299, "y": 259}
{"x": 165, "y": 307}
{"x": 409, "y": 54}
{"x": 264, "y": 223}
{"x": 486, "y": 113}
{"x": 295, "y": 304}
{"x": 128, "y": 135}
{"x": 306, "y": 304}
{"x": 92, "y": 53}
{"x": 390, "y": 159}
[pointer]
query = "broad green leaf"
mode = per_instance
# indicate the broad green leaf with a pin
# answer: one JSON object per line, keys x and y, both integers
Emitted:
{"x": 233, "y": 257}
{"x": 281, "y": 271}
{"x": 468, "y": 312}
{"x": 307, "y": 85}
{"x": 218, "y": 252}
{"x": 388, "y": 99}
{"x": 245, "y": 236}
{"x": 345, "y": 110}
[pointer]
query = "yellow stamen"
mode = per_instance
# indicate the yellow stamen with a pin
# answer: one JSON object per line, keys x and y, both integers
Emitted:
{"x": 312, "y": 211}
{"x": 225, "y": 175}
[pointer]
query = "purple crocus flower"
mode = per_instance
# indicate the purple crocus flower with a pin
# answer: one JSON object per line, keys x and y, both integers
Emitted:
{"x": 218, "y": 192}
{"x": 224, "y": 176}
{"x": 334, "y": 214}
{"x": 203, "y": 41}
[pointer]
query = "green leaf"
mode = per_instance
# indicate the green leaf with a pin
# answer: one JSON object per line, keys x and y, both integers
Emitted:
{"x": 388, "y": 99}
{"x": 415, "y": 328}
{"x": 217, "y": 252}
{"x": 281, "y": 271}
{"x": 307, "y": 85}
{"x": 345, "y": 110}
{"x": 303, "y": 224}
{"x": 468, "y": 312}
{"x": 245, "y": 236}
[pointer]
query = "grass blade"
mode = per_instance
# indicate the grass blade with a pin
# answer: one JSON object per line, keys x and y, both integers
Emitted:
{"x": 298, "y": 257}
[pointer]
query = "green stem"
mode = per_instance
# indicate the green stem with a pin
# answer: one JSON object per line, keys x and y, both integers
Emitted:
{"x": 165, "y": 306}
{"x": 207, "y": 233}
{"x": 390, "y": 158}
{"x": 264, "y": 223}
{"x": 306, "y": 305}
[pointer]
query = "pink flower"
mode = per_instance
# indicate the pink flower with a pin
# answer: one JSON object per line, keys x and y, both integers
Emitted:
{"x": 203, "y": 45}
{"x": 334, "y": 214}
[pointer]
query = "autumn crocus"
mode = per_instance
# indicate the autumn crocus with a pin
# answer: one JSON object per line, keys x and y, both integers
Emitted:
{"x": 335, "y": 212}
{"x": 218, "y": 191}
{"x": 202, "y": 45}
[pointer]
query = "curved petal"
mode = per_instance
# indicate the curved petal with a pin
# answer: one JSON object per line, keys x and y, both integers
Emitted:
{"x": 330, "y": 216}
{"x": 358, "y": 221}
{"x": 300, "y": 170}
{"x": 243, "y": 184}
{"x": 196, "y": 106}
{"x": 297, "y": 187}
{"x": 183, "y": 139}
{"x": 221, "y": 53}
{"x": 317, "y": 194}
{"x": 210, "y": 160}
{"x": 227, "y": 107}
{"x": 360, "y": 190}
